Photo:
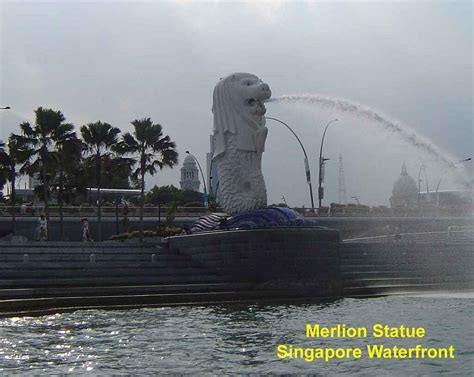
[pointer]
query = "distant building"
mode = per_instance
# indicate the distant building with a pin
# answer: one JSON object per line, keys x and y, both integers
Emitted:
{"x": 25, "y": 195}
{"x": 405, "y": 191}
{"x": 189, "y": 175}
{"x": 34, "y": 181}
{"x": 115, "y": 195}
{"x": 449, "y": 202}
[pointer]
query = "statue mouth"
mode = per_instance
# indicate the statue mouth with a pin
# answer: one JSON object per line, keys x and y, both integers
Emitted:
{"x": 257, "y": 106}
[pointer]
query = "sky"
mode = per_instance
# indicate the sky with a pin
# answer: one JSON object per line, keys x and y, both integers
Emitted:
{"x": 117, "y": 61}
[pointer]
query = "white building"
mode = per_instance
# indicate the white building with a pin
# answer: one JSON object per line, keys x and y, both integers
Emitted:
{"x": 34, "y": 181}
{"x": 189, "y": 175}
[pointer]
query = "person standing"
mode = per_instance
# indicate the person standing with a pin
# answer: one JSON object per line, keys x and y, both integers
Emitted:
{"x": 86, "y": 237}
{"x": 398, "y": 232}
{"x": 42, "y": 228}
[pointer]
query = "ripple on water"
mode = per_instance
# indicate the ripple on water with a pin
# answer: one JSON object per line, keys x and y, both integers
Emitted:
{"x": 224, "y": 339}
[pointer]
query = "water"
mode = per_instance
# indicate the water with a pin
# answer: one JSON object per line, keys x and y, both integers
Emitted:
{"x": 233, "y": 339}
{"x": 402, "y": 131}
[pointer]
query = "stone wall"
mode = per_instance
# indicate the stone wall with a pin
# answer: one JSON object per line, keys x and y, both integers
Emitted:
{"x": 348, "y": 226}
{"x": 380, "y": 268}
{"x": 294, "y": 258}
{"x": 230, "y": 266}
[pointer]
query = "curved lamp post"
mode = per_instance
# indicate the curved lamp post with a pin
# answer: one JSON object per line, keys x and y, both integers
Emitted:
{"x": 321, "y": 164}
{"x": 422, "y": 167}
{"x": 356, "y": 198}
{"x": 442, "y": 175}
{"x": 210, "y": 179}
{"x": 206, "y": 201}
{"x": 306, "y": 163}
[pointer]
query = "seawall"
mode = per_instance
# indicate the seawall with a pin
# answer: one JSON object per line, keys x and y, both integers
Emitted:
{"x": 276, "y": 264}
{"x": 229, "y": 266}
{"x": 348, "y": 227}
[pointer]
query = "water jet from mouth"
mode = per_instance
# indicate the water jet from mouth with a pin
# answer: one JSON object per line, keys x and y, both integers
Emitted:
{"x": 403, "y": 132}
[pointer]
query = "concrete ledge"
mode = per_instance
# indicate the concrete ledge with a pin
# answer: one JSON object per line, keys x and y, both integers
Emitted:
{"x": 262, "y": 265}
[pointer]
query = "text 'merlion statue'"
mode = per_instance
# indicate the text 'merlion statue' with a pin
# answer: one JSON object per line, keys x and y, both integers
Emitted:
{"x": 239, "y": 141}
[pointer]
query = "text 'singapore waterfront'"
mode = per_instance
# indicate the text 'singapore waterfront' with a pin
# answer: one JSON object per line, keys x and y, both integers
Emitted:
{"x": 371, "y": 351}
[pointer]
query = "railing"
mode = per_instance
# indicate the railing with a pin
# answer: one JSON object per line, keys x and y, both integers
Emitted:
{"x": 153, "y": 211}
{"x": 107, "y": 211}
{"x": 461, "y": 232}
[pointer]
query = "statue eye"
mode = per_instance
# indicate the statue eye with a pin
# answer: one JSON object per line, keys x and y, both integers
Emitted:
{"x": 248, "y": 83}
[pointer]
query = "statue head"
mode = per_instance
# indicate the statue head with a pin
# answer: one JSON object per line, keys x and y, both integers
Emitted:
{"x": 238, "y": 107}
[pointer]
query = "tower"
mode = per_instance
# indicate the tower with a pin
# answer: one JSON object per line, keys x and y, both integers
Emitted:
{"x": 342, "y": 183}
{"x": 189, "y": 175}
{"x": 405, "y": 191}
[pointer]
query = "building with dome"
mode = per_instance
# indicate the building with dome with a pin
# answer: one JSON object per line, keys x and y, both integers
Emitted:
{"x": 405, "y": 191}
{"x": 189, "y": 175}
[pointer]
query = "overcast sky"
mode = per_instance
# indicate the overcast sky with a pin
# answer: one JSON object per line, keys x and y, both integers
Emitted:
{"x": 118, "y": 61}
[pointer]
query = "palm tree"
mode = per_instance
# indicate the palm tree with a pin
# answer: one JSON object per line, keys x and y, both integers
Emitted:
{"x": 10, "y": 158}
{"x": 151, "y": 149}
{"x": 3, "y": 163}
{"x": 99, "y": 138}
{"x": 43, "y": 140}
{"x": 116, "y": 172}
{"x": 69, "y": 158}
{"x": 3, "y": 169}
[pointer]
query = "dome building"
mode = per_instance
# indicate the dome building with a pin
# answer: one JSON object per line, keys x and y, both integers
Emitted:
{"x": 189, "y": 175}
{"x": 405, "y": 191}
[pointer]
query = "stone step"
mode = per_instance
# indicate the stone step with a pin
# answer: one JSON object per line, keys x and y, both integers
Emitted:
{"x": 40, "y": 306}
{"x": 112, "y": 281}
{"x": 95, "y": 271}
{"x": 118, "y": 290}
{"x": 397, "y": 281}
{"x": 385, "y": 289}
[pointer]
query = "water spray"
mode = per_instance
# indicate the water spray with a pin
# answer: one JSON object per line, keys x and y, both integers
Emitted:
{"x": 404, "y": 132}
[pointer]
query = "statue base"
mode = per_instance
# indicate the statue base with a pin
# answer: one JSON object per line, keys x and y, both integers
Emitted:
{"x": 256, "y": 219}
{"x": 295, "y": 260}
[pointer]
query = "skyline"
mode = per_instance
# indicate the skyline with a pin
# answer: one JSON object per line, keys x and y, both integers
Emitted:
{"x": 116, "y": 62}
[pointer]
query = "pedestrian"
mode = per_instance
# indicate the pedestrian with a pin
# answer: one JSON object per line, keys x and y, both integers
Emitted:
{"x": 42, "y": 228}
{"x": 388, "y": 230}
{"x": 86, "y": 237}
{"x": 398, "y": 232}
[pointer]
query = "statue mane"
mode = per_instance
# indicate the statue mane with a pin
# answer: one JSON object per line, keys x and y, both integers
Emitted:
{"x": 232, "y": 114}
{"x": 239, "y": 141}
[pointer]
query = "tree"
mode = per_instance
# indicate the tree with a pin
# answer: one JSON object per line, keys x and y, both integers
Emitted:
{"x": 42, "y": 142}
{"x": 3, "y": 159}
{"x": 166, "y": 194}
{"x": 67, "y": 164}
{"x": 116, "y": 172}
{"x": 99, "y": 138}
{"x": 10, "y": 157}
{"x": 151, "y": 150}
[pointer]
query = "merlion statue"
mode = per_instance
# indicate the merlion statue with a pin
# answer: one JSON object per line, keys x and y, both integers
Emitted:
{"x": 239, "y": 141}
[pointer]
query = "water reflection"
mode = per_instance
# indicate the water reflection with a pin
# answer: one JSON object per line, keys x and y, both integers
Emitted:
{"x": 222, "y": 338}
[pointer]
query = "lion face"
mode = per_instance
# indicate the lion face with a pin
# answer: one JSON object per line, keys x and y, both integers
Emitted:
{"x": 252, "y": 92}
{"x": 238, "y": 107}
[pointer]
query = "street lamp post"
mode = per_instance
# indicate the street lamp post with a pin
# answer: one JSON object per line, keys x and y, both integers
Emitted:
{"x": 442, "y": 175}
{"x": 306, "y": 162}
{"x": 210, "y": 178}
{"x": 206, "y": 201}
{"x": 419, "y": 187}
{"x": 356, "y": 198}
{"x": 422, "y": 167}
{"x": 321, "y": 164}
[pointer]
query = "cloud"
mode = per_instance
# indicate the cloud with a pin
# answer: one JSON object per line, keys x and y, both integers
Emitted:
{"x": 118, "y": 61}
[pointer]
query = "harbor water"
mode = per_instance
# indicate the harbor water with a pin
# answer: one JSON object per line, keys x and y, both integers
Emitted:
{"x": 229, "y": 339}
